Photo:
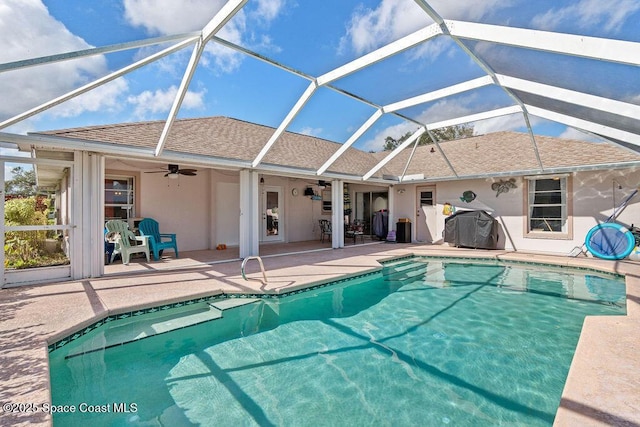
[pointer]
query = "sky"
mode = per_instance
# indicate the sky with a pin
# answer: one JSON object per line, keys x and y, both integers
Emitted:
{"x": 310, "y": 37}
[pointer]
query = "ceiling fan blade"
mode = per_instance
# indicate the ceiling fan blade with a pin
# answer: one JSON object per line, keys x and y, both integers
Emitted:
{"x": 156, "y": 171}
{"x": 188, "y": 172}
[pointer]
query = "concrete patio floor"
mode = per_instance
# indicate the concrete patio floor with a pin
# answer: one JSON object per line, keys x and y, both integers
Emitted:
{"x": 603, "y": 387}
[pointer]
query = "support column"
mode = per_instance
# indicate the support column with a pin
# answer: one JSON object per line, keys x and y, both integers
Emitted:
{"x": 2, "y": 234}
{"x": 337, "y": 214}
{"x": 96, "y": 207}
{"x": 86, "y": 252}
{"x": 391, "y": 196}
{"x": 249, "y": 214}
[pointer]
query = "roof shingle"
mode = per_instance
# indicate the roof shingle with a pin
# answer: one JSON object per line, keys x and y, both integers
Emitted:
{"x": 223, "y": 137}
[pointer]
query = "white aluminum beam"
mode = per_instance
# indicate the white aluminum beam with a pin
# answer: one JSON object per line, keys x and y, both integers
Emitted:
{"x": 394, "y": 153}
{"x": 476, "y": 117}
{"x": 484, "y": 66}
{"x": 406, "y": 166}
{"x": 441, "y": 151}
{"x": 357, "y": 134}
{"x": 259, "y": 57}
{"x": 565, "y": 95}
{"x": 384, "y": 52}
{"x": 624, "y": 52}
{"x": 182, "y": 91}
{"x": 438, "y": 94}
{"x": 213, "y": 26}
{"x": 94, "y": 84}
{"x": 33, "y": 62}
{"x": 223, "y": 16}
{"x": 596, "y": 128}
{"x": 287, "y": 120}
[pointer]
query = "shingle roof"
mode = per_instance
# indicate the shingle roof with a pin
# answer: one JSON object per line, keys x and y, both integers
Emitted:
{"x": 223, "y": 137}
{"x": 505, "y": 152}
{"x": 227, "y": 138}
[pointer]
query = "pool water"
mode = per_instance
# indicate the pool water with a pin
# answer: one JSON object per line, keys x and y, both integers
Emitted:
{"x": 426, "y": 342}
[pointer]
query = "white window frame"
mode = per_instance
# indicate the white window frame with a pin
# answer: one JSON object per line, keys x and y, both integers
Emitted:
{"x": 566, "y": 206}
{"x": 131, "y": 206}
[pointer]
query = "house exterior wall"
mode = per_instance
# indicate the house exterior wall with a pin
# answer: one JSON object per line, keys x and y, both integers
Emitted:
{"x": 209, "y": 204}
{"x": 181, "y": 206}
{"x": 302, "y": 213}
{"x": 592, "y": 202}
{"x": 225, "y": 208}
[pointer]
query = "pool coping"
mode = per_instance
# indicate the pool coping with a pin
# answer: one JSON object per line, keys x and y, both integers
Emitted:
{"x": 596, "y": 392}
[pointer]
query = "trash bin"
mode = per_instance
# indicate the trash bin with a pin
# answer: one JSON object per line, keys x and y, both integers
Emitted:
{"x": 403, "y": 232}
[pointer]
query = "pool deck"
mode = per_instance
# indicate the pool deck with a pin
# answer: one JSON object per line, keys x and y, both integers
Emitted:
{"x": 603, "y": 387}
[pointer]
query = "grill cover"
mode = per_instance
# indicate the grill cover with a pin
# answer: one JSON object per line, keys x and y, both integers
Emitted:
{"x": 471, "y": 229}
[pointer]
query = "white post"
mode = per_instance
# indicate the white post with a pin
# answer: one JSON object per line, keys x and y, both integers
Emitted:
{"x": 392, "y": 207}
{"x": 249, "y": 214}
{"x": 2, "y": 235}
{"x": 77, "y": 243}
{"x": 97, "y": 214}
{"x": 337, "y": 214}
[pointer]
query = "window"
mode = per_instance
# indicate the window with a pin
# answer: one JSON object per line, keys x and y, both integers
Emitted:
{"x": 547, "y": 205}
{"x": 326, "y": 201}
{"x": 426, "y": 198}
{"x": 119, "y": 198}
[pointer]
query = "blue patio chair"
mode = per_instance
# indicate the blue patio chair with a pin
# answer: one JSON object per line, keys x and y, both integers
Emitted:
{"x": 158, "y": 241}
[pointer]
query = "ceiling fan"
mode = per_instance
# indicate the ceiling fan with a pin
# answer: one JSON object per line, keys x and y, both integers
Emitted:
{"x": 173, "y": 171}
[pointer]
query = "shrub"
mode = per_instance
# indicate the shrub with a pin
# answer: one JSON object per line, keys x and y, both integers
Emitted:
{"x": 25, "y": 248}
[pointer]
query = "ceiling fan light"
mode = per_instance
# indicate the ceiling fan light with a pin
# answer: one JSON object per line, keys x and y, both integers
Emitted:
{"x": 173, "y": 175}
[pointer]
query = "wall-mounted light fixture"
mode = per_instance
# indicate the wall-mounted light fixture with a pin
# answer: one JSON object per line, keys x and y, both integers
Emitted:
{"x": 261, "y": 180}
{"x": 401, "y": 190}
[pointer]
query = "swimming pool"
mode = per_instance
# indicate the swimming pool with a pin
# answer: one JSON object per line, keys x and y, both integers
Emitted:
{"x": 424, "y": 342}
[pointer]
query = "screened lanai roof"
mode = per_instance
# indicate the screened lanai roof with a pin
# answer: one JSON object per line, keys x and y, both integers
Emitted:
{"x": 353, "y": 73}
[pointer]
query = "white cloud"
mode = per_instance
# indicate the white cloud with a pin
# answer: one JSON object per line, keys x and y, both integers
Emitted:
{"x": 29, "y": 31}
{"x": 588, "y": 14}
{"x": 269, "y": 9}
{"x": 502, "y": 123}
{"x": 573, "y": 133}
{"x": 393, "y": 19}
{"x": 446, "y": 109}
{"x": 371, "y": 28}
{"x": 633, "y": 99}
{"x": 149, "y": 103}
{"x": 105, "y": 98}
{"x": 311, "y": 131}
{"x": 172, "y": 17}
{"x": 376, "y": 142}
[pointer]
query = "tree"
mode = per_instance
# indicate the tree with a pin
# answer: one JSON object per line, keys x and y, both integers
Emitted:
{"x": 23, "y": 183}
{"x": 443, "y": 134}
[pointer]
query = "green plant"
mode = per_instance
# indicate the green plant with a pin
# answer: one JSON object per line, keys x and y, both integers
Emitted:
{"x": 25, "y": 249}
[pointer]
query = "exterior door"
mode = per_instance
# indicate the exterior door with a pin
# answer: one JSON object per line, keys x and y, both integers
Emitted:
{"x": 425, "y": 214}
{"x": 272, "y": 210}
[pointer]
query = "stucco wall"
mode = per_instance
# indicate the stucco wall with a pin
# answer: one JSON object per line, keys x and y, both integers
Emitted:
{"x": 181, "y": 206}
{"x": 192, "y": 207}
{"x": 592, "y": 203}
{"x": 302, "y": 212}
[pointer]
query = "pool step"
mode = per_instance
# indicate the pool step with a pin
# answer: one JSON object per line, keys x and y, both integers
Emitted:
{"x": 123, "y": 331}
{"x": 405, "y": 271}
{"x": 399, "y": 265}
